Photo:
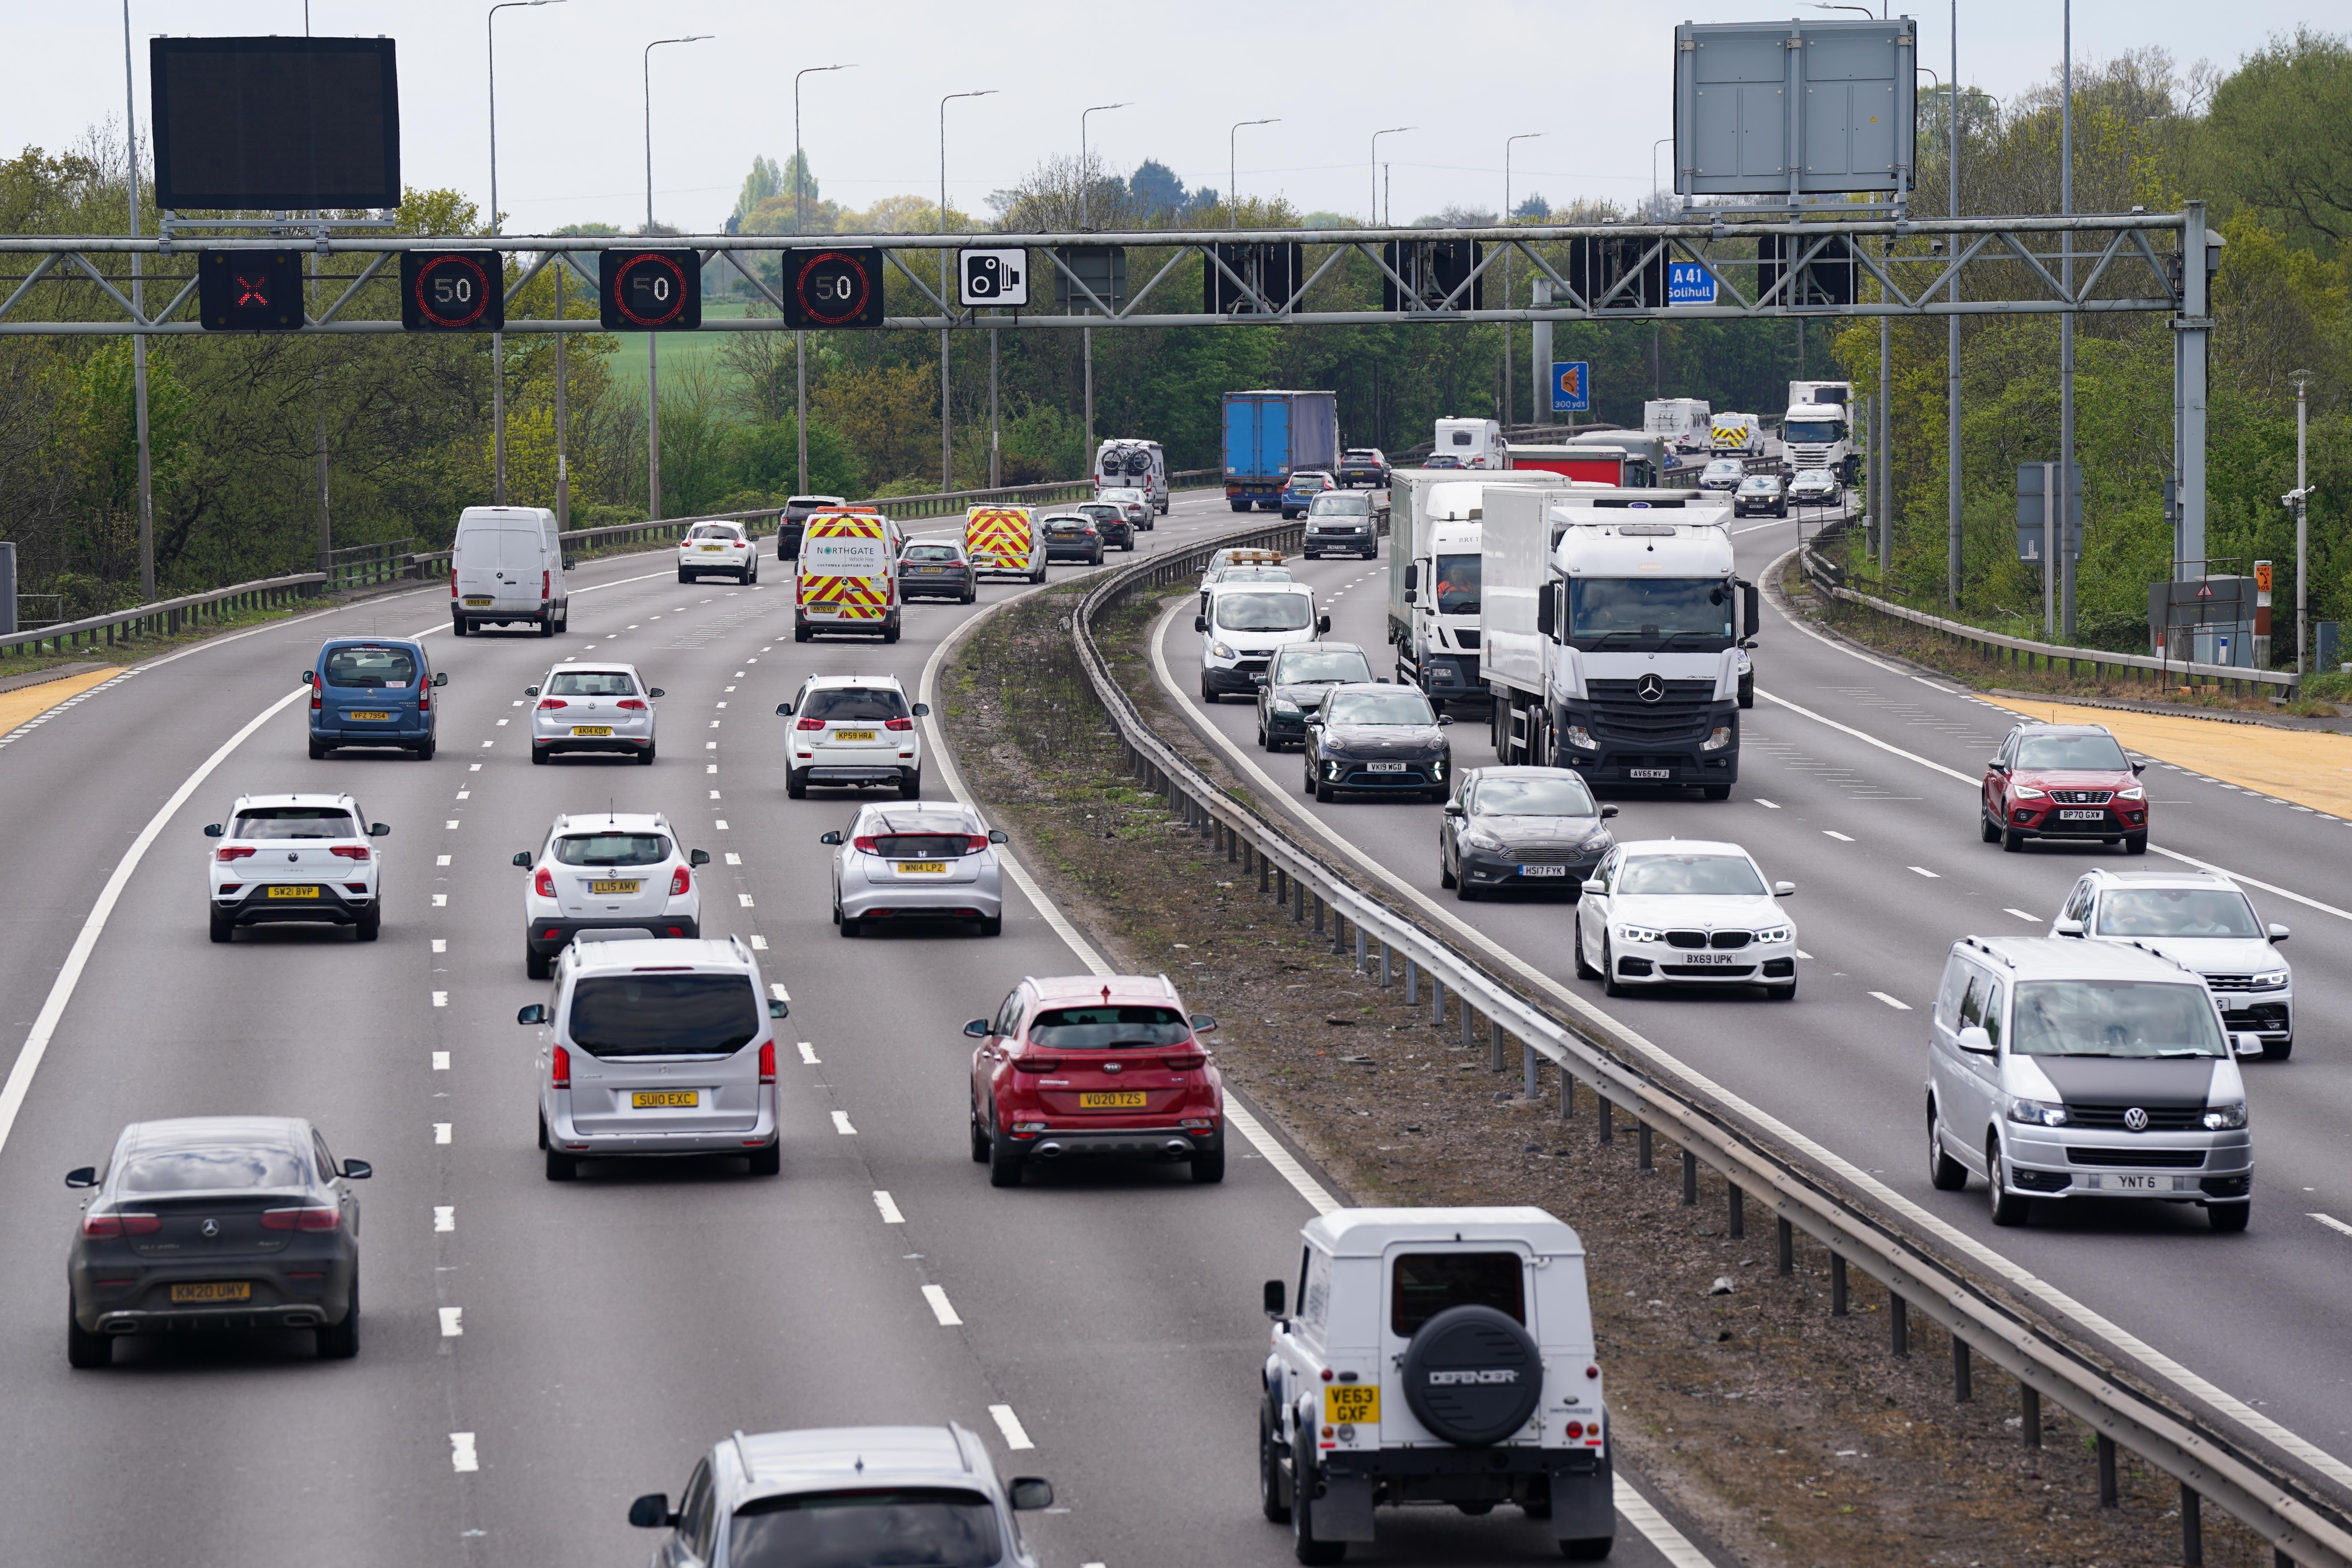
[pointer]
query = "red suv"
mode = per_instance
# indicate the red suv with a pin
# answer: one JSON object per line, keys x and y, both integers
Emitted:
{"x": 2063, "y": 780}
{"x": 1082, "y": 1064}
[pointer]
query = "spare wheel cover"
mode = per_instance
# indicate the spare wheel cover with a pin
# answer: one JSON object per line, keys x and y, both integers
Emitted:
{"x": 1472, "y": 1375}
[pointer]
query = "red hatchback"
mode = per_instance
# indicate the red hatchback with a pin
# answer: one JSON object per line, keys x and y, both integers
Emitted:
{"x": 1083, "y": 1065}
{"x": 2063, "y": 780}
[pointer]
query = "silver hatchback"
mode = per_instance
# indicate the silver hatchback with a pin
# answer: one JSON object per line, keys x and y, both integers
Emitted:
{"x": 592, "y": 707}
{"x": 928, "y": 860}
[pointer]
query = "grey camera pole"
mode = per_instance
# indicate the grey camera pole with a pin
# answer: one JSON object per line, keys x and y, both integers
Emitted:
{"x": 139, "y": 342}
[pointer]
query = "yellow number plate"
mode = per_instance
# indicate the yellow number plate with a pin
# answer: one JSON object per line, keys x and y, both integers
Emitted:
{"x": 592, "y": 729}
{"x": 853, "y": 734}
{"x": 612, "y": 886}
{"x": 473, "y": 603}
{"x": 293, "y": 892}
{"x": 1111, "y": 1099}
{"x": 713, "y": 549}
{"x": 358, "y": 715}
{"x": 922, "y": 865}
{"x": 665, "y": 1099}
{"x": 1357, "y": 1402}
{"x": 237, "y": 1291}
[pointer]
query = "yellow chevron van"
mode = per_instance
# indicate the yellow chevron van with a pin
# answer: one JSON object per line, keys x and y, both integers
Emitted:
{"x": 848, "y": 578}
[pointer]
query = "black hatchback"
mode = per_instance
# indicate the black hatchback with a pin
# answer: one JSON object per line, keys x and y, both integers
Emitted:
{"x": 1378, "y": 738}
{"x": 1072, "y": 536}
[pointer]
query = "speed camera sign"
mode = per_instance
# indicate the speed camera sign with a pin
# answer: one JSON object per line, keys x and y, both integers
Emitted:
{"x": 994, "y": 277}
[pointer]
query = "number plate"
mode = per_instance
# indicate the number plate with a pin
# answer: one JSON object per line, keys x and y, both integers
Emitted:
{"x": 1111, "y": 1099}
{"x": 1705, "y": 959}
{"x": 367, "y": 715}
{"x": 592, "y": 729}
{"x": 1543, "y": 870}
{"x": 1649, "y": 772}
{"x": 2065, "y": 815}
{"x": 922, "y": 866}
{"x": 853, "y": 734}
{"x": 2136, "y": 1182}
{"x": 292, "y": 893}
{"x": 712, "y": 549}
{"x": 1384, "y": 767}
{"x": 236, "y": 1290}
{"x": 667, "y": 1099}
{"x": 1356, "y": 1402}
{"x": 477, "y": 603}
{"x": 615, "y": 887}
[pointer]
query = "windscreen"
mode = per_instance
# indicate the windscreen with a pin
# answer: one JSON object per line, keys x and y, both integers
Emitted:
{"x": 2091, "y": 754}
{"x": 1650, "y": 613}
{"x": 2114, "y": 1018}
{"x": 1457, "y": 584}
{"x": 1331, "y": 503}
{"x": 293, "y": 822}
{"x": 1424, "y": 1284}
{"x": 1813, "y": 431}
{"x": 1565, "y": 797}
{"x": 371, "y": 667}
{"x": 664, "y": 1015}
{"x": 1264, "y": 612}
{"x": 592, "y": 683}
{"x": 853, "y": 704}
{"x": 1399, "y": 707}
{"x": 214, "y": 1169}
{"x": 1721, "y": 874}
{"x": 612, "y": 850}
{"x": 2176, "y": 911}
{"x": 1067, "y": 524}
{"x": 715, "y": 530}
{"x": 1306, "y": 482}
{"x": 1103, "y": 511}
{"x": 1109, "y": 1029}
{"x": 921, "y": 1527}
{"x": 1303, "y": 665}
{"x": 931, "y": 553}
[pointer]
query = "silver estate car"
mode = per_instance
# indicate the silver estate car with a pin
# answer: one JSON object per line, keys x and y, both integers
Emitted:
{"x": 215, "y": 1222}
{"x": 656, "y": 1047}
{"x": 592, "y": 707}
{"x": 926, "y": 859}
{"x": 846, "y": 1495}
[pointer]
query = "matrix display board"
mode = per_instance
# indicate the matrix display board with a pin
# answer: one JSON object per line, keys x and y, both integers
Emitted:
{"x": 649, "y": 291}
{"x": 833, "y": 286}
{"x": 249, "y": 290}
{"x": 275, "y": 124}
{"x": 452, "y": 291}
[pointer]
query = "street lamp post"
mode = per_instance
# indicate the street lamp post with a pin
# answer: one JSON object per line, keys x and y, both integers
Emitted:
{"x": 1522, "y": 136}
{"x": 1085, "y": 334}
{"x": 800, "y": 339}
{"x": 138, "y": 342}
{"x": 1378, "y": 217}
{"x": 1952, "y": 341}
{"x": 653, "y": 391}
{"x": 2301, "y": 501}
{"x": 2068, "y": 510}
{"x": 1232, "y": 170}
{"x": 497, "y": 340}
{"x": 947, "y": 457}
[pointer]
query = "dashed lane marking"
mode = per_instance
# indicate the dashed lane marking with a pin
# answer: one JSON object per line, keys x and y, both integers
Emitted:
{"x": 1016, "y": 1437}
{"x": 2332, "y": 1222}
{"x": 445, "y": 1217}
{"x": 941, "y": 1308}
{"x": 1833, "y": 833}
{"x": 841, "y": 1122}
{"x": 2022, "y": 914}
{"x": 440, "y": 1061}
{"x": 1895, "y": 1001}
{"x": 453, "y": 1322}
{"x": 888, "y": 1206}
{"x": 808, "y": 1052}
{"x": 462, "y": 1457}
{"x": 1923, "y": 871}
{"x": 441, "y": 1132}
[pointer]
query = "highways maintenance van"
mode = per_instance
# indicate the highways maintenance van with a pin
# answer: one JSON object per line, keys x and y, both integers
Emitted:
{"x": 848, "y": 579}
{"x": 1004, "y": 540}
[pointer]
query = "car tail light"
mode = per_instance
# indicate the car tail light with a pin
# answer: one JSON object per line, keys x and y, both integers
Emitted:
{"x": 233, "y": 852}
{"x": 976, "y": 845}
{"x": 1186, "y": 1062}
{"x": 301, "y": 1220}
{"x": 768, "y": 1061}
{"x": 355, "y": 887}
{"x": 316, "y": 701}
{"x": 453, "y": 583}
{"x": 559, "y": 1071}
{"x": 542, "y": 883}
{"x": 113, "y": 1224}
{"x": 867, "y": 844}
{"x": 897, "y": 724}
{"x": 424, "y": 695}
{"x": 810, "y": 724}
{"x": 634, "y": 704}
{"x": 1036, "y": 1064}
{"x": 680, "y": 883}
{"x": 1576, "y": 1429}
{"x": 546, "y": 586}
{"x": 348, "y": 851}
{"x": 547, "y": 702}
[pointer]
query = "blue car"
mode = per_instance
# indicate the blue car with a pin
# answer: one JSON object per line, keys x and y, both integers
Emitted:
{"x": 373, "y": 691}
{"x": 1299, "y": 493}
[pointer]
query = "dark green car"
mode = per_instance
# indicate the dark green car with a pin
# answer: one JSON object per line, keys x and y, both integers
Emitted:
{"x": 1296, "y": 685}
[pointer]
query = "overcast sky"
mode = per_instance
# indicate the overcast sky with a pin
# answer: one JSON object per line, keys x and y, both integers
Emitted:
{"x": 1594, "y": 78}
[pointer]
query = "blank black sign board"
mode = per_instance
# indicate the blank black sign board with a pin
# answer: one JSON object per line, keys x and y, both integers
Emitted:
{"x": 275, "y": 124}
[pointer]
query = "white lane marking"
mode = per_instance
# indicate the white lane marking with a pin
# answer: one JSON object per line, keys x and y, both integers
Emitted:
{"x": 720, "y": 824}
{"x": 759, "y": 942}
{"x": 440, "y": 901}
{"x": 440, "y": 944}
{"x": 714, "y": 723}
{"x": 61, "y": 990}
{"x": 504, "y": 722}
{"x": 711, "y": 746}
{"x": 1895, "y": 1001}
{"x": 440, "y": 859}
{"x": 2332, "y": 1222}
{"x": 941, "y": 1308}
{"x": 1767, "y": 804}
{"x": 889, "y": 1207}
{"x": 776, "y": 989}
{"x": 461, "y": 1452}
{"x": 808, "y": 1052}
{"x": 467, "y": 793}
{"x": 445, "y": 1216}
{"x": 2021, "y": 914}
{"x": 619, "y": 581}
{"x": 450, "y": 826}
{"x": 441, "y": 1132}
{"x": 1672, "y": 1543}
{"x": 841, "y": 1124}
{"x": 440, "y": 998}
{"x": 743, "y": 899}
{"x": 453, "y": 1322}
{"x": 1015, "y": 1436}
{"x": 440, "y": 1061}
{"x": 1275, "y": 1154}
{"x": 487, "y": 744}
{"x": 711, "y": 768}
{"x": 733, "y": 859}
{"x": 1803, "y": 955}
{"x": 1932, "y": 687}
{"x": 1925, "y": 872}
{"x": 473, "y": 767}
{"x": 722, "y": 704}
{"x": 714, "y": 795}
{"x": 1833, "y": 833}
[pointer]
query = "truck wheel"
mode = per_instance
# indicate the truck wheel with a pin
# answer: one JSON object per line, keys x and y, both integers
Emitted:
{"x": 1269, "y": 1473}
{"x": 1594, "y": 1550}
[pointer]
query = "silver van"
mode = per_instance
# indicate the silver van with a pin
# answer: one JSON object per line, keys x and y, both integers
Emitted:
{"x": 2059, "y": 1068}
{"x": 656, "y": 1047}
{"x": 506, "y": 567}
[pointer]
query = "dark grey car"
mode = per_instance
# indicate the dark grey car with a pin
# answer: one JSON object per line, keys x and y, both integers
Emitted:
{"x": 1379, "y": 738}
{"x": 1520, "y": 827}
{"x": 215, "y": 1223}
{"x": 1296, "y": 683}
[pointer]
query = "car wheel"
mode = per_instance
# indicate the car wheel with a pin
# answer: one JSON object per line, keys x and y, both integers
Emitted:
{"x": 370, "y": 922}
{"x": 458, "y": 627}
{"x": 1209, "y": 1164}
{"x": 539, "y": 756}
{"x": 1945, "y": 1174}
{"x": 849, "y": 928}
{"x": 536, "y": 964}
{"x": 425, "y": 752}
{"x": 1610, "y": 983}
{"x": 84, "y": 1349}
{"x": 1445, "y": 878}
{"x": 542, "y": 1129}
{"x": 341, "y": 1342}
{"x": 1782, "y": 993}
{"x": 2011, "y": 841}
{"x": 2007, "y": 1207}
{"x": 561, "y": 1166}
{"x": 910, "y": 784}
{"x": 769, "y": 1161}
{"x": 1269, "y": 1472}
{"x": 1005, "y": 1160}
{"x": 2229, "y": 1217}
{"x": 890, "y": 634}
{"x": 1987, "y": 829}
{"x": 1716, "y": 792}
{"x": 318, "y": 750}
{"x": 2135, "y": 842}
{"x": 645, "y": 757}
{"x": 684, "y": 575}
{"x": 1583, "y": 970}
{"x": 991, "y": 925}
{"x": 547, "y": 626}
{"x": 796, "y": 784}
{"x": 224, "y": 926}
{"x": 1208, "y": 692}
{"x": 1263, "y": 743}
{"x": 1591, "y": 1548}
{"x": 1303, "y": 1544}
{"x": 1324, "y": 793}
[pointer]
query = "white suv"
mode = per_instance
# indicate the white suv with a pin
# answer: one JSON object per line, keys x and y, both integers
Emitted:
{"x": 657, "y": 1048}
{"x": 2201, "y": 920}
{"x": 1435, "y": 1355}
{"x": 853, "y": 731}
{"x": 295, "y": 858}
{"x": 603, "y": 872}
{"x": 718, "y": 549}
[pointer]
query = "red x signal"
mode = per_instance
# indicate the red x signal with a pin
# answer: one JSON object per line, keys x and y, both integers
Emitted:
{"x": 253, "y": 291}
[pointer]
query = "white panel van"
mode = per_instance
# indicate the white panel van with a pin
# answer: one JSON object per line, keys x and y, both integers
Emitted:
{"x": 506, "y": 567}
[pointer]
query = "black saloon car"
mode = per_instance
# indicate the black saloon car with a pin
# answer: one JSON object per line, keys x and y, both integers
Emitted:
{"x": 1296, "y": 683}
{"x": 1520, "y": 827}
{"x": 1072, "y": 536}
{"x": 1379, "y": 738}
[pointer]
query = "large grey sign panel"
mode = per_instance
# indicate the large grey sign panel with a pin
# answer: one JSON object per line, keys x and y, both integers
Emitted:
{"x": 1794, "y": 108}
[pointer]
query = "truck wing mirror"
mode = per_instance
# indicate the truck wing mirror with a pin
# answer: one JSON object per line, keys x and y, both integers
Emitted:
{"x": 1412, "y": 577}
{"x": 1748, "y": 610}
{"x": 1547, "y": 622}
{"x": 1274, "y": 1299}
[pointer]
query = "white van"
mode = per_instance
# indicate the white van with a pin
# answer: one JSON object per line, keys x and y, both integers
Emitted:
{"x": 1244, "y": 625}
{"x": 1132, "y": 463}
{"x": 1471, "y": 443}
{"x": 507, "y": 565}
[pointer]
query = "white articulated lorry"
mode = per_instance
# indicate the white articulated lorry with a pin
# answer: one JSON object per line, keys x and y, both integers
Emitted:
{"x": 1817, "y": 432}
{"x": 1433, "y": 569}
{"x": 1615, "y": 634}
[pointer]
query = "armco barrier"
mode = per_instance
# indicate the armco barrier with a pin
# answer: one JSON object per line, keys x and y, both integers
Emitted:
{"x": 169, "y": 616}
{"x": 2302, "y": 1527}
{"x": 1828, "y": 579}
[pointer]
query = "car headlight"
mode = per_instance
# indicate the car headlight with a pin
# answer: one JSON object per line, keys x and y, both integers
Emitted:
{"x": 2136, "y": 792}
{"x": 2036, "y": 1112}
{"x": 1715, "y": 741}
{"x": 1640, "y": 933}
{"x": 1219, "y": 650}
{"x": 2275, "y": 980}
{"x": 2027, "y": 792}
{"x": 1284, "y": 705}
{"x": 1476, "y": 838}
{"x": 1581, "y": 737}
{"x": 1437, "y": 768}
{"x": 1778, "y": 933}
{"x": 2225, "y": 1118}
